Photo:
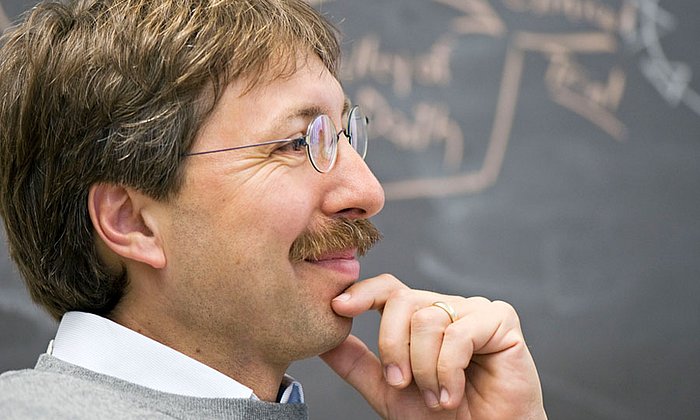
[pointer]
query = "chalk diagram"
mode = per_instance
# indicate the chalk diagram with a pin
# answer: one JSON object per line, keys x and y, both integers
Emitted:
{"x": 637, "y": 24}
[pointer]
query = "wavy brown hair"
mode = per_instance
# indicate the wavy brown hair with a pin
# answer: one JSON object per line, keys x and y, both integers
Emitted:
{"x": 115, "y": 91}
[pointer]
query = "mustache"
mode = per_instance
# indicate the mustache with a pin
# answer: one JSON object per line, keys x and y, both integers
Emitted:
{"x": 335, "y": 235}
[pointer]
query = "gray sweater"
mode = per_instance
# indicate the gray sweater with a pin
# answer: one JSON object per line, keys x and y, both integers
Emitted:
{"x": 58, "y": 390}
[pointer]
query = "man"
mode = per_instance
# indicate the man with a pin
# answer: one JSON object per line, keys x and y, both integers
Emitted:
{"x": 183, "y": 186}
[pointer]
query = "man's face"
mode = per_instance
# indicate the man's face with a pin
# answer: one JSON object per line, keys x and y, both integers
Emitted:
{"x": 233, "y": 223}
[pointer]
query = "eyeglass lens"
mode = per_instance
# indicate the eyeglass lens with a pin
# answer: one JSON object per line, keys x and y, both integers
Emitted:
{"x": 357, "y": 130}
{"x": 323, "y": 139}
{"x": 322, "y": 143}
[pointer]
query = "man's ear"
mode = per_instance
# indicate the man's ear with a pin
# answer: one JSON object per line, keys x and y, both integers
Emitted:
{"x": 121, "y": 218}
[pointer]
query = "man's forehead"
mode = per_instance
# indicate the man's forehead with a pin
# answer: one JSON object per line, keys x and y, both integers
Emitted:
{"x": 278, "y": 103}
{"x": 279, "y": 66}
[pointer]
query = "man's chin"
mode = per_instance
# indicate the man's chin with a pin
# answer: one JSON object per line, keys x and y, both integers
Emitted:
{"x": 343, "y": 333}
{"x": 331, "y": 338}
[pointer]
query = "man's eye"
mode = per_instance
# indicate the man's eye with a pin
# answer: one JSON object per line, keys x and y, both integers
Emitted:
{"x": 296, "y": 145}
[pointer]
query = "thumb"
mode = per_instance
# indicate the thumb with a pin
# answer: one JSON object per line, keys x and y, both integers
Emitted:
{"x": 359, "y": 367}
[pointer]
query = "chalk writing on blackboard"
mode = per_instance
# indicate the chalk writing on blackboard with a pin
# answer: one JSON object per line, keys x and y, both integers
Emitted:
{"x": 596, "y": 30}
{"x": 670, "y": 78}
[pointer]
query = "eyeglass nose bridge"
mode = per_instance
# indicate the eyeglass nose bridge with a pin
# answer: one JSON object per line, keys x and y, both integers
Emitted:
{"x": 353, "y": 142}
{"x": 344, "y": 132}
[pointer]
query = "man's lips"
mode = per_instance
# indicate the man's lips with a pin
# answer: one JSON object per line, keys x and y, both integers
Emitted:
{"x": 344, "y": 262}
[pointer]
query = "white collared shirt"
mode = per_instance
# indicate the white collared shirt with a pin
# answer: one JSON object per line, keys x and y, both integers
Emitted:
{"x": 103, "y": 346}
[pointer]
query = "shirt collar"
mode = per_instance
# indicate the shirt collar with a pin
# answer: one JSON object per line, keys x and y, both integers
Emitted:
{"x": 105, "y": 347}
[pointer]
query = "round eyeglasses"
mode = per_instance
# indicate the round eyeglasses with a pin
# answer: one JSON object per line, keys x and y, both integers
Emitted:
{"x": 321, "y": 140}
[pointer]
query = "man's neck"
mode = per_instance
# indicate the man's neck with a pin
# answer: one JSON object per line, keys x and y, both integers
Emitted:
{"x": 251, "y": 370}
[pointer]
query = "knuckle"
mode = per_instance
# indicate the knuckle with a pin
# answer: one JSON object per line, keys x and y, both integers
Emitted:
{"x": 389, "y": 346}
{"x": 424, "y": 320}
{"x": 507, "y": 309}
{"x": 392, "y": 279}
{"x": 452, "y": 333}
{"x": 514, "y": 336}
{"x": 400, "y": 294}
{"x": 479, "y": 300}
{"x": 444, "y": 369}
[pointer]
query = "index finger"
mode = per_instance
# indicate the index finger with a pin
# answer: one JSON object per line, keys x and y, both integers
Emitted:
{"x": 370, "y": 294}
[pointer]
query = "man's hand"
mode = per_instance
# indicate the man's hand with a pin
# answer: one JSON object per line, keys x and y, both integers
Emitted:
{"x": 477, "y": 367}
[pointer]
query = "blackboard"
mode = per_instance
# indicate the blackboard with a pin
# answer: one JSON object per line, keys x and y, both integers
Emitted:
{"x": 543, "y": 152}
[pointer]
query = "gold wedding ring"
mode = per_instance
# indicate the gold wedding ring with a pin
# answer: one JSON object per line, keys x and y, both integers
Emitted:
{"x": 448, "y": 309}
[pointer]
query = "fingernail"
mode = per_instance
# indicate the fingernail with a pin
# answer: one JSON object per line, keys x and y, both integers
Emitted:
{"x": 342, "y": 297}
{"x": 393, "y": 375}
{"x": 430, "y": 398}
{"x": 444, "y": 396}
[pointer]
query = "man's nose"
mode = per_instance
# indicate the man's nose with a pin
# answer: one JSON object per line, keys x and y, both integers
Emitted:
{"x": 353, "y": 190}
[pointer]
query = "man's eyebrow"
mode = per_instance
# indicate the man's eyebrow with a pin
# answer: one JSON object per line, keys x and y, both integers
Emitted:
{"x": 346, "y": 107}
{"x": 305, "y": 112}
{"x": 282, "y": 122}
